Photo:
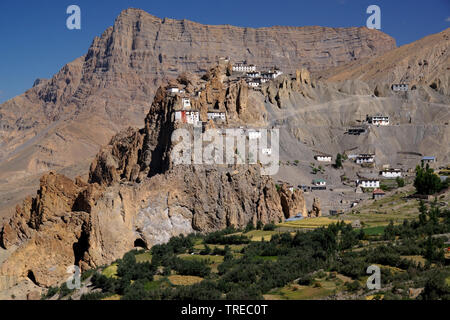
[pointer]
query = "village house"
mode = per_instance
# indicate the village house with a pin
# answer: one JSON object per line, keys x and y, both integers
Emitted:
{"x": 365, "y": 158}
{"x": 319, "y": 182}
{"x": 400, "y": 87}
{"x": 428, "y": 159}
{"x": 391, "y": 173}
{"x": 323, "y": 157}
{"x": 377, "y": 194}
{"x": 190, "y": 117}
{"x": 368, "y": 183}
{"x": 378, "y": 120}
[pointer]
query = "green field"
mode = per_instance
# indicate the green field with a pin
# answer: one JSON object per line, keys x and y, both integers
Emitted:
{"x": 110, "y": 271}
{"x": 310, "y": 223}
{"x": 374, "y": 231}
{"x": 144, "y": 257}
{"x": 208, "y": 258}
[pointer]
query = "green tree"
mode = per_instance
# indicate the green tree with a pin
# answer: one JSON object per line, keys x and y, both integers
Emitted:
{"x": 436, "y": 287}
{"x": 400, "y": 182}
{"x": 426, "y": 181}
{"x": 259, "y": 225}
{"x": 423, "y": 212}
{"x": 338, "y": 163}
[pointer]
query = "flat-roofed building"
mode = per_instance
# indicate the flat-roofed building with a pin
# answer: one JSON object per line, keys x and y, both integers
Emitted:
{"x": 185, "y": 116}
{"x": 365, "y": 158}
{"x": 400, "y": 87}
{"x": 391, "y": 173}
{"x": 378, "y": 120}
{"x": 323, "y": 157}
{"x": 319, "y": 182}
{"x": 368, "y": 183}
{"x": 244, "y": 67}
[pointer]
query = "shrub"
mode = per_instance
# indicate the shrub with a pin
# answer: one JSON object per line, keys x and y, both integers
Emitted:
{"x": 269, "y": 227}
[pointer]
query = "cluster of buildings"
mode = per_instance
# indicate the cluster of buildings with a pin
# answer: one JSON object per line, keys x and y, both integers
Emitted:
{"x": 184, "y": 112}
{"x": 253, "y": 77}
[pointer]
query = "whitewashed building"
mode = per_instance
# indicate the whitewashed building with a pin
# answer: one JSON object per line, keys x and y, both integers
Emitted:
{"x": 173, "y": 90}
{"x": 365, "y": 158}
{"x": 244, "y": 67}
{"x": 323, "y": 157}
{"x": 190, "y": 117}
{"x": 254, "y": 82}
{"x": 273, "y": 74}
{"x": 400, "y": 87}
{"x": 391, "y": 173}
{"x": 368, "y": 183}
{"x": 378, "y": 120}
{"x": 428, "y": 159}
{"x": 319, "y": 182}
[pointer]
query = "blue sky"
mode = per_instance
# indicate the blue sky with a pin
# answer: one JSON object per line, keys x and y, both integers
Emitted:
{"x": 35, "y": 42}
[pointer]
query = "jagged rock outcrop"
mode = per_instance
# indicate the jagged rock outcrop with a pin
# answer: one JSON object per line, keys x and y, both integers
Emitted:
{"x": 292, "y": 202}
{"x": 316, "y": 211}
{"x": 137, "y": 196}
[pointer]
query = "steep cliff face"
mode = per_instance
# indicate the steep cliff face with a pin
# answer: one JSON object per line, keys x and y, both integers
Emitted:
{"x": 136, "y": 195}
{"x": 61, "y": 122}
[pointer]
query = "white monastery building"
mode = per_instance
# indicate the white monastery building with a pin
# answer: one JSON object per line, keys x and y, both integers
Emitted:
{"x": 191, "y": 117}
{"x": 244, "y": 67}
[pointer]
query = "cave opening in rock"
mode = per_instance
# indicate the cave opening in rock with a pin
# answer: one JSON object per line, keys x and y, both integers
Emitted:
{"x": 139, "y": 243}
{"x": 30, "y": 275}
{"x": 80, "y": 247}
